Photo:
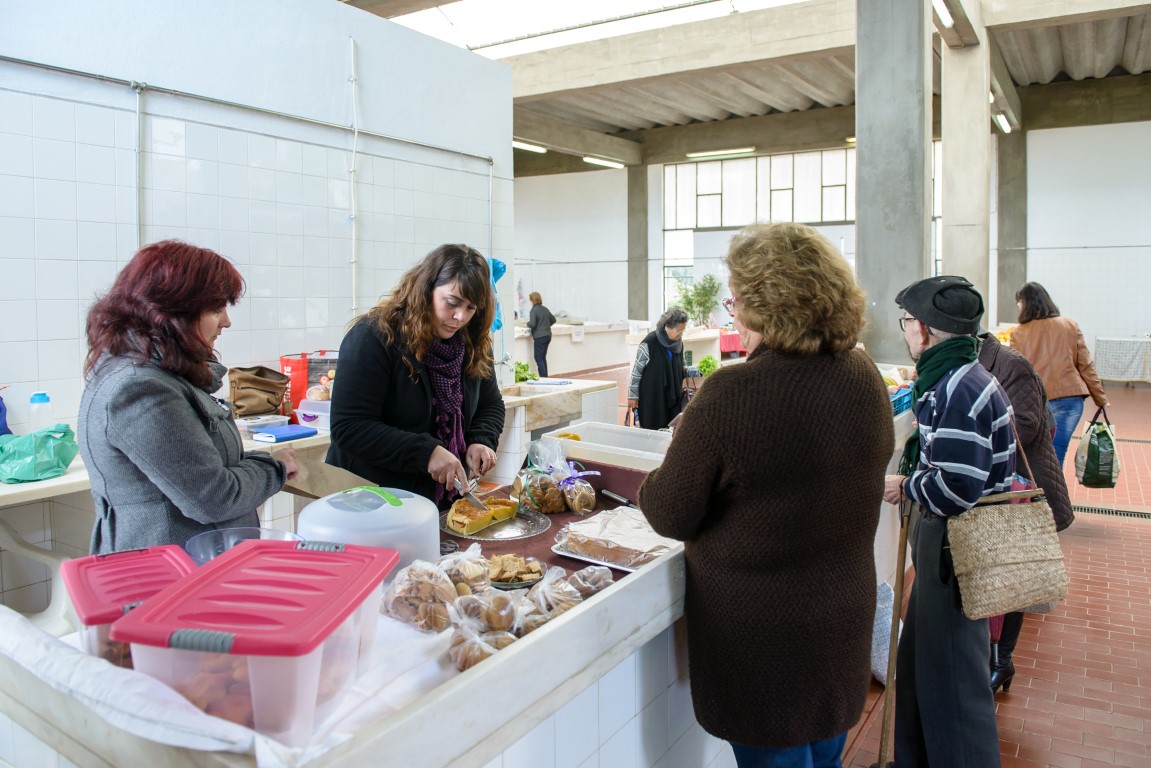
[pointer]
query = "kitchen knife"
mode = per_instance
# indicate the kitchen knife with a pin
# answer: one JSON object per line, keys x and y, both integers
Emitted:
{"x": 467, "y": 493}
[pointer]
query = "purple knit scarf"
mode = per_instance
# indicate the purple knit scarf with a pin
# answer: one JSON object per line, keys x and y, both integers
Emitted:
{"x": 444, "y": 362}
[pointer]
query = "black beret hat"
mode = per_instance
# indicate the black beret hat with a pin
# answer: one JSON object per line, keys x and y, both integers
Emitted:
{"x": 947, "y": 303}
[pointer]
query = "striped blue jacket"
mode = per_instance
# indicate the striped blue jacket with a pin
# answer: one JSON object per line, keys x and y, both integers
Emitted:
{"x": 967, "y": 446}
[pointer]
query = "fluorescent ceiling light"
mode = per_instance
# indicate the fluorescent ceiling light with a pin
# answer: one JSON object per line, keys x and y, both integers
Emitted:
{"x": 944, "y": 13}
{"x": 529, "y": 147}
{"x": 991, "y": 97}
{"x": 1001, "y": 120}
{"x": 849, "y": 139}
{"x": 604, "y": 163}
{"x": 722, "y": 152}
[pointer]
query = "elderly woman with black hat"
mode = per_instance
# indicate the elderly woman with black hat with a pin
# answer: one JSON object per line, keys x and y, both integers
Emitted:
{"x": 964, "y": 448}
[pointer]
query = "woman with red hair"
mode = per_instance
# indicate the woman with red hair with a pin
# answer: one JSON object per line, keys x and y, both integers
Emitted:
{"x": 164, "y": 456}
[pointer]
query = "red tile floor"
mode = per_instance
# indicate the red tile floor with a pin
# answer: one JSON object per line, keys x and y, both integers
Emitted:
{"x": 1081, "y": 697}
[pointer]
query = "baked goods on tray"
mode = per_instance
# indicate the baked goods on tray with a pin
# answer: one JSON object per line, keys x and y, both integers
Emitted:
{"x": 620, "y": 536}
{"x": 466, "y": 518}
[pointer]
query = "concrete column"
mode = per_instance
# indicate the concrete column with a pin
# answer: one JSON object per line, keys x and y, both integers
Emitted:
{"x": 893, "y": 160}
{"x": 1012, "y": 222}
{"x": 966, "y": 204}
{"x": 637, "y": 262}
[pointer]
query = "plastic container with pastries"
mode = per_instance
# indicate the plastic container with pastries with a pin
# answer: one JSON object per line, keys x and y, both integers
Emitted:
{"x": 267, "y": 635}
{"x": 105, "y": 587}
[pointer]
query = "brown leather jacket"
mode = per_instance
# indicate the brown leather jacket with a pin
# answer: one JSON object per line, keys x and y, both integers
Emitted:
{"x": 1055, "y": 347}
{"x": 1029, "y": 402}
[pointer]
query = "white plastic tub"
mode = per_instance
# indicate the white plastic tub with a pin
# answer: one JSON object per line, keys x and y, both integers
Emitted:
{"x": 315, "y": 413}
{"x": 614, "y": 444}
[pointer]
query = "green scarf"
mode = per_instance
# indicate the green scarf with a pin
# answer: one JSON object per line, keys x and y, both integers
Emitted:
{"x": 932, "y": 364}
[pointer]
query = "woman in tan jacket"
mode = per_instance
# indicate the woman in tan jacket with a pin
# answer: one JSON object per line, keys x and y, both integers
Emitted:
{"x": 1055, "y": 347}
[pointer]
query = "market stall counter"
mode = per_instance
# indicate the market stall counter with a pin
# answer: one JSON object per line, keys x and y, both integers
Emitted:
{"x": 607, "y": 677}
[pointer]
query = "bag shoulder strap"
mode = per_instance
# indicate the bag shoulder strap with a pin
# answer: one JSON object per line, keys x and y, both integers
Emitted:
{"x": 998, "y": 498}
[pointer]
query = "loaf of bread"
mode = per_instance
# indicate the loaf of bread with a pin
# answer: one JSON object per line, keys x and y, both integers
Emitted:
{"x": 620, "y": 536}
{"x": 466, "y": 518}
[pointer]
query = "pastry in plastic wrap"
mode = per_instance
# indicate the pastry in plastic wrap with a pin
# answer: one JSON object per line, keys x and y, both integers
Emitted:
{"x": 468, "y": 570}
{"x": 620, "y": 536}
{"x": 419, "y": 595}
{"x": 588, "y": 581}
{"x": 578, "y": 495}
{"x": 538, "y": 491}
{"x": 470, "y": 648}
{"x": 553, "y": 595}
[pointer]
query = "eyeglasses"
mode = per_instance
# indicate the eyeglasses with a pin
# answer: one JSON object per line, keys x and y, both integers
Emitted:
{"x": 903, "y": 322}
{"x": 729, "y": 305}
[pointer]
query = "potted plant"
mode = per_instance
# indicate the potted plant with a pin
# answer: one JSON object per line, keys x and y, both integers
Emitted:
{"x": 699, "y": 297}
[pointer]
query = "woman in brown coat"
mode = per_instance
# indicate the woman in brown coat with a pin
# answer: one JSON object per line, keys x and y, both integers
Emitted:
{"x": 774, "y": 481}
{"x": 1055, "y": 346}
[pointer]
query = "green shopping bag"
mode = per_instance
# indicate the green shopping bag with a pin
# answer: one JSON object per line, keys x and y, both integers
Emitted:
{"x": 1096, "y": 460}
{"x": 37, "y": 455}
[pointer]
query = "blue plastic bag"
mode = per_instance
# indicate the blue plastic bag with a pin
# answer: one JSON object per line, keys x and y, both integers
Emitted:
{"x": 38, "y": 455}
{"x": 4, "y": 418}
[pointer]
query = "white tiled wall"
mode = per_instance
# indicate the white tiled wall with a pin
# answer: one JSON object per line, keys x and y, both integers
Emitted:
{"x": 638, "y": 715}
{"x": 270, "y": 194}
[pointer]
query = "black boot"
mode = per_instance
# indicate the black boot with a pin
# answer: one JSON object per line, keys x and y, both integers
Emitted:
{"x": 1002, "y": 670}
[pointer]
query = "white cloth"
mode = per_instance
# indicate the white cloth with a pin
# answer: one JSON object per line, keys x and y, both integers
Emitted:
{"x": 408, "y": 664}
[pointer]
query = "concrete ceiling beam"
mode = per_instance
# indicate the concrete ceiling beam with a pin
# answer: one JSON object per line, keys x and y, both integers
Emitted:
{"x": 1003, "y": 88}
{"x": 389, "y": 9}
{"x": 569, "y": 139}
{"x": 1019, "y": 14}
{"x": 798, "y": 30}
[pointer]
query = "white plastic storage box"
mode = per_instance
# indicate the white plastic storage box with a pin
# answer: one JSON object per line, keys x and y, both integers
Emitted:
{"x": 267, "y": 635}
{"x": 614, "y": 444}
{"x": 315, "y": 413}
{"x": 249, "y": 424}
{"x": 105, "y": 587}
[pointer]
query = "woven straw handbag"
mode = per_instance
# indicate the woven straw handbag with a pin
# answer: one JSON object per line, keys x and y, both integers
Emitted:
{"x": 1007, "y": 556}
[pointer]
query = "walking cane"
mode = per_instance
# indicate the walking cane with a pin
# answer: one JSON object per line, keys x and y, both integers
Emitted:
{"x": 893, "y": 643}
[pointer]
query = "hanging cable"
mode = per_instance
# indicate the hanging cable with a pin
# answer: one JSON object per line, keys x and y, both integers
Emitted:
{"x": 353, "y": 82}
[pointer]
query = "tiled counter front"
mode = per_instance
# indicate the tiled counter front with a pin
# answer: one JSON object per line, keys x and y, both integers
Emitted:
{"x": 603, "y": 685}
{"x": 638, "y": 715}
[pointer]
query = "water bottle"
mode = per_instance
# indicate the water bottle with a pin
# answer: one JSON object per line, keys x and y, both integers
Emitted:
{"x": 40, "y": 412}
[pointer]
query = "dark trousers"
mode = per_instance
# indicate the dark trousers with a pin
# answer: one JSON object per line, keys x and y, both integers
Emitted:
{"x": 541, "y": 354}
{"x": 944, "y": 708}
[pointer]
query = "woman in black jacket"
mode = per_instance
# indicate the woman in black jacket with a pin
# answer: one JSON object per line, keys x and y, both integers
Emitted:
{"x": 417, "y": 398}
{"x": 656, "y": 386}
{"x": 1028, "y": 398}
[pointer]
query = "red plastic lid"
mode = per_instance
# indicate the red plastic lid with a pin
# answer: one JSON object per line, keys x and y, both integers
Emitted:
{"x": 262, "y": 597}
{"x": 101, "y": 586}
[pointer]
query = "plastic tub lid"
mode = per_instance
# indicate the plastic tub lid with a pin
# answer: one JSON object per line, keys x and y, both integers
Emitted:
{"x": 262, "y": 597}
{"x": 102, "y": 586}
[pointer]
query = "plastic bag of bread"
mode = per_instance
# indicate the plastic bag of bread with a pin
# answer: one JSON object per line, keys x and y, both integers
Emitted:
{"x": 419, "y": 595}
{"x": 534, "y": 486}
{"x": 468, "y": 570}
{"x": 538, "y": 491}
{"x": 469, "y": 647}
{"x": 494, "y": 611}
{"x": 579, "y": 496}
{"x": 588, "y": 581}
{"x": 473, "y": 639}
{"x": 553, "y": 595}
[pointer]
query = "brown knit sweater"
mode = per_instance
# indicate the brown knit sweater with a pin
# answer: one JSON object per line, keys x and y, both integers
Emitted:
{"x": 774, "y": 480}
